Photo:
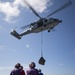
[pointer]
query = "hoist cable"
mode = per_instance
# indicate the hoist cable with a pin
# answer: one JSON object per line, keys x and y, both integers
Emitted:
{"x": 41, "y": 44}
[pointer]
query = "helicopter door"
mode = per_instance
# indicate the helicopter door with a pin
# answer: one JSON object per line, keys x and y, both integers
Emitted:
{"x": 40, "y": 23}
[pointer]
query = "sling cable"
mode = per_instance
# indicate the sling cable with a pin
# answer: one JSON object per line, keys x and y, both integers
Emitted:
{"x": 41, "y": 60}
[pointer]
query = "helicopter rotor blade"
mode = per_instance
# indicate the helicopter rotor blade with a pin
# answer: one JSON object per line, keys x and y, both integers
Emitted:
{"x": 31, "y": 8}
{"x": 61, "y": 8}
{"x": 23, "y": 27}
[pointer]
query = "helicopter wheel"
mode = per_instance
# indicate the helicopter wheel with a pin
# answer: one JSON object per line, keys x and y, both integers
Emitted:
{"x": 48, "y": 30}
{"x": 44, "y": 25}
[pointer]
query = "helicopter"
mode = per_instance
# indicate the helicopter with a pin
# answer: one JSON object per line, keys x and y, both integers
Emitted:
{"x": 42, "y": 24}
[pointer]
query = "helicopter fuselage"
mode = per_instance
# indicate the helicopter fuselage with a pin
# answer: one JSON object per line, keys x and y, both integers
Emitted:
{"x": 41, "y": 25}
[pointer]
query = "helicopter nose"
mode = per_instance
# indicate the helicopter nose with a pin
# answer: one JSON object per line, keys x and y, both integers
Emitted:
{"x": 60, "y": 21}
{"x": 55, "y": 19}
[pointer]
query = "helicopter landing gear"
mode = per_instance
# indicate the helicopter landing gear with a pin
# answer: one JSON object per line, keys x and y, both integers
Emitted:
{"x": 44, "y": 25}
{"x": 48, "y": 30}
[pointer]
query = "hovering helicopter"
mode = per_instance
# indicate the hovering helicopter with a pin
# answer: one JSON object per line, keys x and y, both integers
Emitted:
{"x": 42, "y": 24}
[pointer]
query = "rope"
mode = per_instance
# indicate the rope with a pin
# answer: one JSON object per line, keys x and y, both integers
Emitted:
{"x": 41, "y": 44}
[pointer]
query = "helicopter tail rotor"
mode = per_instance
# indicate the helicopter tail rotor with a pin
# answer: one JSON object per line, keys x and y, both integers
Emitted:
{"x": 15, "y": 34}
{"x": 24, "y": 27}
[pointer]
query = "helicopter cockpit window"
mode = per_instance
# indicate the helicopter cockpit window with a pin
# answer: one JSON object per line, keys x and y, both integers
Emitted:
{"x": 31, "y": 23}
